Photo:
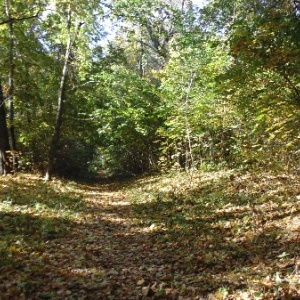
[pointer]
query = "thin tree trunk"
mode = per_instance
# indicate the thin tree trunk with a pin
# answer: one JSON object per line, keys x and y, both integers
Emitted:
{"x": 10, "y": 92}
{"x": 141, "y": 65}
{"x": 60, "y": 103}
{"x": 4, "y": 138}
{"x": 189, "y": 151}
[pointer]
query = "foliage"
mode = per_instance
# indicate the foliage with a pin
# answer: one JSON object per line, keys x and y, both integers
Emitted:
{"x": 175, "y": 85}
{"x": 260, "y": 80}
{"x": 128, "y": 120}
{"x": 200, "y": 123}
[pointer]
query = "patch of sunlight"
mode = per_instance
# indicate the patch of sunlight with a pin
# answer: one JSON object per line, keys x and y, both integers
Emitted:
{"x": 112, "y": 218}
{"x": 119, "y": 203}
{"x": 87, "y": 272}
{"x": 154, "y": 227}
{"x": 293, "y": 224}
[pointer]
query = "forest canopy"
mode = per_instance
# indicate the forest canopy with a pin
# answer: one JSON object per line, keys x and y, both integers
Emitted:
{"x": 131, "y": 86}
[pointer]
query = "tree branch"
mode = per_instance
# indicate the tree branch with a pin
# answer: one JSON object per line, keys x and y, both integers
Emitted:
{"x": 292, "y": 86}
{"x": 18, "y": 19}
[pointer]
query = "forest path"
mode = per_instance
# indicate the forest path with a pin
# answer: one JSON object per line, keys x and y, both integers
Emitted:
{"x": 78, "y": 241}
{"x": 152, "y": 238}
{"x": 118, "y": 248}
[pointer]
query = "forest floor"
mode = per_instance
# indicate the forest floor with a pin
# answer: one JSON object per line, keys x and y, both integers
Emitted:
{"x": 214, "y": 235}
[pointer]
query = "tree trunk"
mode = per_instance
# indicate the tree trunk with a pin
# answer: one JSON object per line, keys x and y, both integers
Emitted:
{"x": 4, "y": 138}
{"x": 10, "y": 92}
{"x": 60, "y": 104}
{"x": 189, "y": 158}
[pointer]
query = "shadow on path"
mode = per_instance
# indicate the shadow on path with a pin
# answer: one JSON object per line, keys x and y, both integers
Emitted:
{"x": 166, "y": 249}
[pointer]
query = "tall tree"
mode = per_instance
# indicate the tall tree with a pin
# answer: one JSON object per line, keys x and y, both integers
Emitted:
{"x": 72, "y": 15}
{"x": 13, "y": 14}
{"x": 147, "y": 30}
{"x": 4, "y": 139}
{"x": 61, "y": 97}
{"x": 10, "y": 89}
{"x": 262, "y": 76}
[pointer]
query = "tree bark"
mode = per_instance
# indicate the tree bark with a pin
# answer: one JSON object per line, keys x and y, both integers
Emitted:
{"x": 11, "y": 88}
{"x": 60, "y": 103}
{"x": 10, "y": 92}
{"x": 4, "y": 138}
{"x": 189, "y": 159}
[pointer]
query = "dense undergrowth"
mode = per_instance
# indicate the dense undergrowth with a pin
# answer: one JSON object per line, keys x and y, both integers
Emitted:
{"x": 216, "y": 235}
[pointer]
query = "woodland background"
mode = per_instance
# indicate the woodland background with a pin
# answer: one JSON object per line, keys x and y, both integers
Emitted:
{"x": 174, "y": 86}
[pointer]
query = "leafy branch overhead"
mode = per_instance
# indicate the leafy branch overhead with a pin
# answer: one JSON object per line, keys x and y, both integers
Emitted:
{"x": 13, "y": 20}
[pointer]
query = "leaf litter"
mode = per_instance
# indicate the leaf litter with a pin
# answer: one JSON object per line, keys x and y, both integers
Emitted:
{"x": 218, "y": 235}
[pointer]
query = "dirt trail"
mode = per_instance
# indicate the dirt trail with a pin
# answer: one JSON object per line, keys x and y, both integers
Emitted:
{"x": 100, "y": 252}
{"x": 109, "y": 254}
{"x": 65, "y": 240}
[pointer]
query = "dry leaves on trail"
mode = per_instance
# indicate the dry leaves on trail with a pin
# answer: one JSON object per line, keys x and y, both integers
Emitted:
{"x": 155, "y": 238}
